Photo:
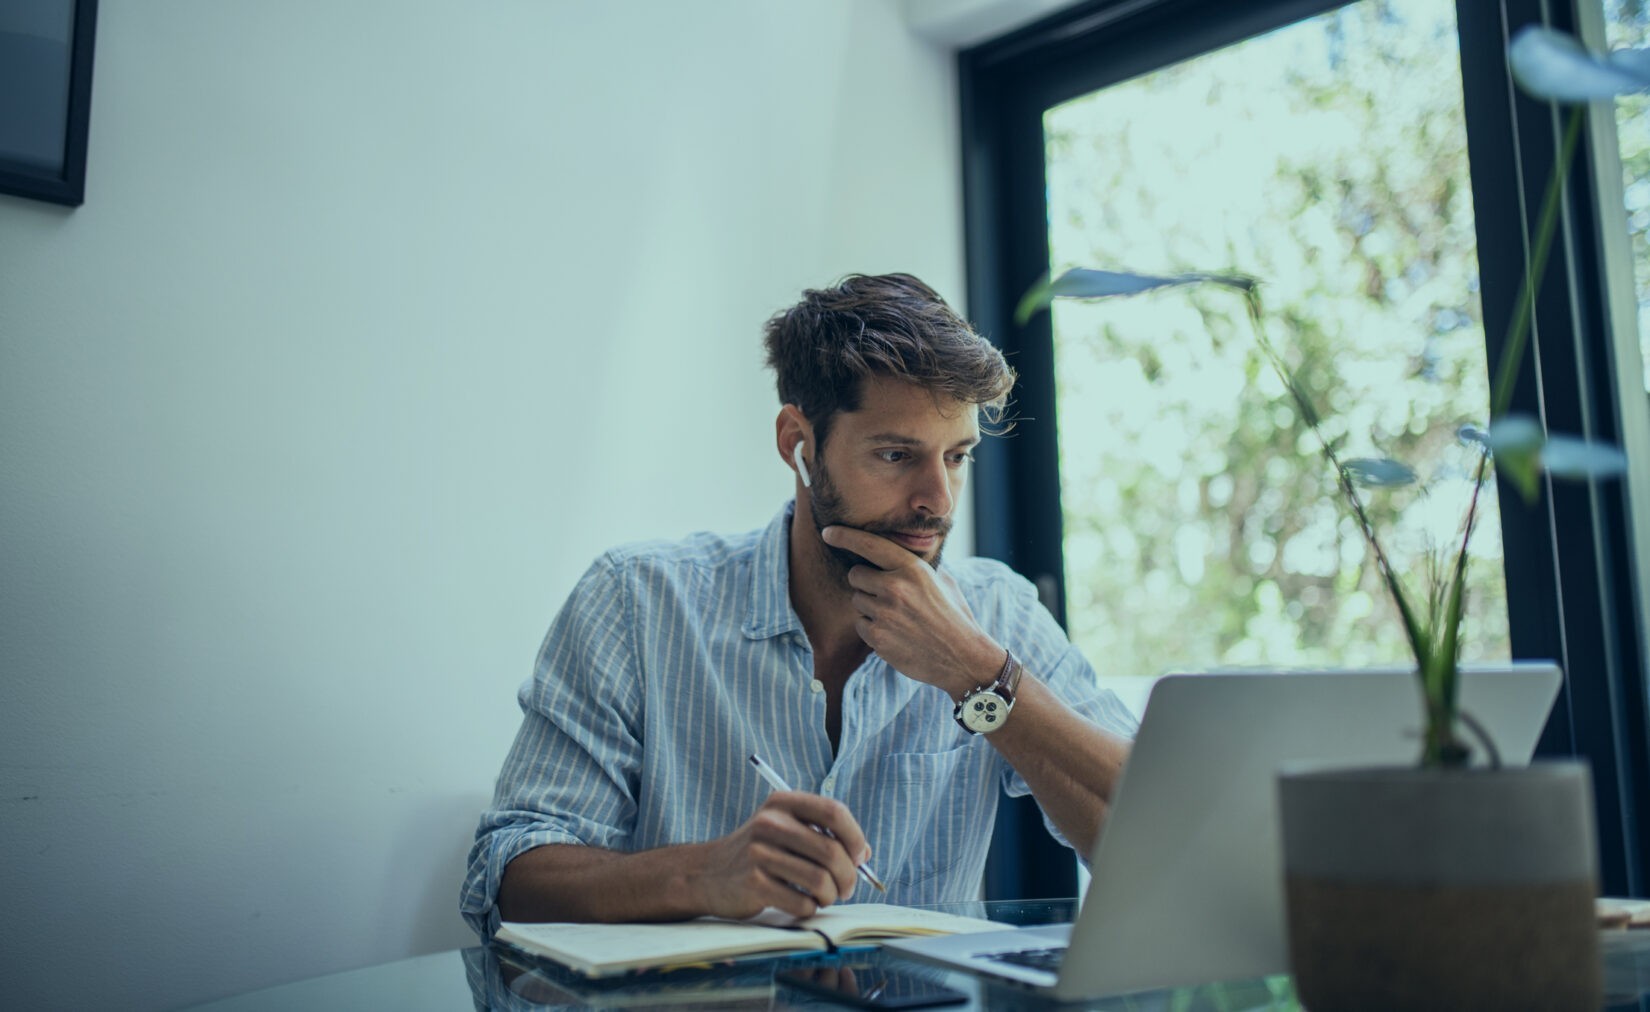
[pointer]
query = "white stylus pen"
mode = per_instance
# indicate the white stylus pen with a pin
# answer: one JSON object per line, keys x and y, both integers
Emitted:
{"x": 778, "y": 783}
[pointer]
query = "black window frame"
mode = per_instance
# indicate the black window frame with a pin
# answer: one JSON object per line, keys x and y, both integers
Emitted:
{"x": 1570, "y": 587}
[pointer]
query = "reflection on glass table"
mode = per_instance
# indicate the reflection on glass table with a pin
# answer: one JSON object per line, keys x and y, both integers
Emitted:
{"x": 492, "y": 978}
{"x": 868, "y": 982}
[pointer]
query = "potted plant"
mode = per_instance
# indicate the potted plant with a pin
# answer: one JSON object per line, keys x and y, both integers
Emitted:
{"x": 1442, "y": 885}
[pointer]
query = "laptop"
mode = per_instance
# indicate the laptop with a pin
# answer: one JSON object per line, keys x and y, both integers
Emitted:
{"x": 1187, "y": 883}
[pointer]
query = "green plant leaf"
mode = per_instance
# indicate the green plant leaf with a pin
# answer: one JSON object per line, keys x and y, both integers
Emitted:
{"x": 1522, "y": 451}
{"x": 1552, "y": 65}
{"x": 1085, "y": 283}
{"x": 1580, "y": 459}
{"x": 1379, "y": 472}
{"x": 1441, "y": 670}
{"x": 1515, "y": 434}
{"x": 1632, "y": 61}
{"x": 1470, "y": 433}
{"x": 1524, "y": 471}
{"x": 1516, "y": 441}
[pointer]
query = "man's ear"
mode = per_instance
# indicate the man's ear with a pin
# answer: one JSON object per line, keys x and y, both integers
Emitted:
{"x": 794, "y": 440}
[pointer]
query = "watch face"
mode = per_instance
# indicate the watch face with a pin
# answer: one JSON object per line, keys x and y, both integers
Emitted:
{"x": 984, "y": 712}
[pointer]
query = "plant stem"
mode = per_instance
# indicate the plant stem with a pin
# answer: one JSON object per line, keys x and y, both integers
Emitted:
{"x": 1419, "y": 639}
{"x": 1436, "y": 642}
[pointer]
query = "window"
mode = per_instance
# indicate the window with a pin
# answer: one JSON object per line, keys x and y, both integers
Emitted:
{"x": 1328, "y": 158}
{"x": 1627, "y": 23}
{"x": 1372, "y": 165}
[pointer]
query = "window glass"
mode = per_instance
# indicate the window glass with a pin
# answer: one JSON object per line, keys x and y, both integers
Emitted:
{"x": 1627, "y": 23}
{"x": 1327, "y": 159}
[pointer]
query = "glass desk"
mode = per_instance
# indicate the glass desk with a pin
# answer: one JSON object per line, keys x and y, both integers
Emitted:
{"x": 496, "y": 980}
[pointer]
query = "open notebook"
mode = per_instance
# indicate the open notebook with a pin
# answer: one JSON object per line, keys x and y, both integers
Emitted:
{"x": 1187, "y": 883}
{"x": 602, "y": 950}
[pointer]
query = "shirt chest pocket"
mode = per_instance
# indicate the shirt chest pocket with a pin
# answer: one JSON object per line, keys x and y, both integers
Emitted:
{"x": 940, "y": 807}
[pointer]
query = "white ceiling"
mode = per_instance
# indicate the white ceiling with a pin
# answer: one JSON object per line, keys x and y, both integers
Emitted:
{"x": 962, "y": 23}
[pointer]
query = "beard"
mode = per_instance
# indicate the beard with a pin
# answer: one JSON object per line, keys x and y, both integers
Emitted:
{"x": 829, "y": 510}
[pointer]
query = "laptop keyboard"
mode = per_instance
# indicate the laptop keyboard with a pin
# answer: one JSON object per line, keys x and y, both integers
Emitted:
{"x": 1036, "y": 959}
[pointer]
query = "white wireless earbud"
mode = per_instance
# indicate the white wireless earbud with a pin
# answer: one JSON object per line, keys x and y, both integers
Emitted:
{"x": 801, "y": 468}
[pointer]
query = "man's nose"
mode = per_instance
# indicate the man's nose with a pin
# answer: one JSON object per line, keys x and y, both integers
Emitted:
{"x": 933, "y": 492}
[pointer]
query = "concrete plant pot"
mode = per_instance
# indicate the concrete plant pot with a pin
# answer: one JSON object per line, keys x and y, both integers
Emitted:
{"x": 1441, "y": 889}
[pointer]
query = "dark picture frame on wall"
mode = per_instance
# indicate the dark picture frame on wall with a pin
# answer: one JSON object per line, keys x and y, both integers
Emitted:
{"x": 45, "y": 97}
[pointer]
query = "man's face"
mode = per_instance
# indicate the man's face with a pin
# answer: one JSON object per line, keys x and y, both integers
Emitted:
{"x": 896, "y": 468}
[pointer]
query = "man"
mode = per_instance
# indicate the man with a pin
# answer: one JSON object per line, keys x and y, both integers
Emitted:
{"x": 895, "y": 693}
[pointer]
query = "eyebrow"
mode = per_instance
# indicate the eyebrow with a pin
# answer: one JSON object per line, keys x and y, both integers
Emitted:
{"x": 896, "y": 439}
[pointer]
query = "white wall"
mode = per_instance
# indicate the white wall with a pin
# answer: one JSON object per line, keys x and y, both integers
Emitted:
{"x": 380, "y": 319}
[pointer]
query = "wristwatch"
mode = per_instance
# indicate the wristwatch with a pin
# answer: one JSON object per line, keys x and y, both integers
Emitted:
{"x": 985, "y": 708}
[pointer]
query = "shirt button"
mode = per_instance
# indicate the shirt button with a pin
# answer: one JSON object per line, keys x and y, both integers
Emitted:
{"x": 817, "y": 686}
{"x": 829, "y": 782}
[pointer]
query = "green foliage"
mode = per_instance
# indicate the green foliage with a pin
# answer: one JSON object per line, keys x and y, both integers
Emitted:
{"x": 1628, "y": 24}
{"x": 1328, "y": 158}
{"x": 1431, "y": 621}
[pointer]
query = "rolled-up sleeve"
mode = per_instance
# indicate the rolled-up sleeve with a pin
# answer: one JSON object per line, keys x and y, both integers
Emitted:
{"x": 1046, "y": 652}
{"x": 571, "y": 776}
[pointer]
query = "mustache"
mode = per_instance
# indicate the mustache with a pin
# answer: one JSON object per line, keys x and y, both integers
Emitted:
{"x": 915, "y": 524}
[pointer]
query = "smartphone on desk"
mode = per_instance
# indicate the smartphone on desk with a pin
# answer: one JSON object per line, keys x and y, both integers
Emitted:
{"x": 871, "y": 985}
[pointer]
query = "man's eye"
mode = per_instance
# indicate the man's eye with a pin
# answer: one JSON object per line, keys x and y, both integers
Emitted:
{"x": 893, "y": 456}
{"x": 959, "y": 459}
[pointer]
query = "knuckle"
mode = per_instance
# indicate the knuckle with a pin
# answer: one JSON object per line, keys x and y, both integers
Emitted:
{"x": 767, "y": 821}
{"x": 824, "y": 887}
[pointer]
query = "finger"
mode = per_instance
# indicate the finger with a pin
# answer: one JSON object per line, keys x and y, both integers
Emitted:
{"x": 870, "y": 579}
{"x": 865, "y": 604}
{"x": 867, "y": 631}
{"x": 878, "y": 551}
{"x": 791, "y": 821}
{"x": 833, "y": 816}
{"x": 781, "y": 831}
{"x": 824, "y": 884}
{"x": 818, "y": 882}
{"x": 780, "y": 895}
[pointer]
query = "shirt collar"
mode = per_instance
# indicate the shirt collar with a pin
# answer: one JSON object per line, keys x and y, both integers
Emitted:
{"x": 770, "y": 612}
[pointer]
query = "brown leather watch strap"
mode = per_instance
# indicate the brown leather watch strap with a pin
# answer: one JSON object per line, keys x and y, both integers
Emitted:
{"x": 1008, "y": 680}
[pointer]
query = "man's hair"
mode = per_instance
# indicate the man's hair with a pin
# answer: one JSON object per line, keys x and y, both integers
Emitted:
{"x": 823, "y": 348}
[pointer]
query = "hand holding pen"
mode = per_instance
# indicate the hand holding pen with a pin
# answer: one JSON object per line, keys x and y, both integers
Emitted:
{"x": 794, "y": 855}
{"x": 775, "y": 781}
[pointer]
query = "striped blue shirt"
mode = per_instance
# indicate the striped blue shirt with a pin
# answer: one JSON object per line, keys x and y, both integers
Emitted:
{"x": 672, "y": 662}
